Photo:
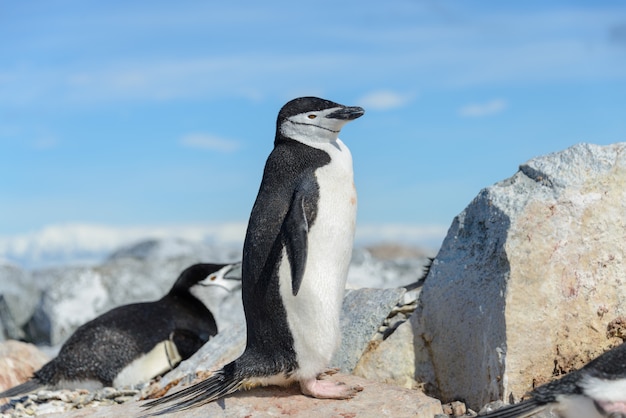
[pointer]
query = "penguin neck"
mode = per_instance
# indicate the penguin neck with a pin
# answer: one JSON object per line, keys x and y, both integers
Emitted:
{"x": 323, "y": 145}
{"x": 185, "y": 298}
{"x": 307, "y": 134}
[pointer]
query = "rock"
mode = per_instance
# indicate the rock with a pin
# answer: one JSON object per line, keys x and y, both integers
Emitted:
{"x": 363, "y": 312}
{"x": 388, "y": 251}
{"x": 376, "y": 400}
{"x": 18, "y": 362}
{"x": 392, "y": 354}
{"x": 44, "y": 402}
{"x": 529, "y": 277}
{"x": 384, "y": 267}
{"x": 456, "y": 409}
{"x": 391, "y": 360}
{"x": 18, "y": 298}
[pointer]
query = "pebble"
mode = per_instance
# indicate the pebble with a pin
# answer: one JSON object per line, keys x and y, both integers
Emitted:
{"x": 56, "y": 401}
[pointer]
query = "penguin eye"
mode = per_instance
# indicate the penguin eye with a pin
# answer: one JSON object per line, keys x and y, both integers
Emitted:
{"x": 312, "y": 116}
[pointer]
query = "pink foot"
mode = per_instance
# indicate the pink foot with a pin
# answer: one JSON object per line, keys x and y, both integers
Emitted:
{"x": 327, "y": 389}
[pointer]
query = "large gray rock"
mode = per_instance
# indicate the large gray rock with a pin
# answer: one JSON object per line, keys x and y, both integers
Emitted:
{"x": 18, "y": 298}
{"x": 362, "y": 313}
{"x": 18, "y": 362}
{"x": 394, "y": 354}
{"x": 529, "y": 277}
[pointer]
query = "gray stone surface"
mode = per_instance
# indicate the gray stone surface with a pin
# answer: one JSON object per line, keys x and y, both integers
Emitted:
{"x": 18, "y": 298}
{"x": 363, "y": 312}
{"x": 391, "y": 360}
{"x": 529, "y": 277}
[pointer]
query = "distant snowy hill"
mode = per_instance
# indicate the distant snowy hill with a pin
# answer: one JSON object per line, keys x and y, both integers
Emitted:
{"x": 72, "y": 244}
{"x": 80, "y": 244}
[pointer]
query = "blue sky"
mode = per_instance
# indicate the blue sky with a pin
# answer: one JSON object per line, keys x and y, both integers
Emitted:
{"x": 157, "y": 112}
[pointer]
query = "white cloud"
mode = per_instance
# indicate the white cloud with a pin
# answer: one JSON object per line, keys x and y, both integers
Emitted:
{"x": 209, "y": 142}
{"x": 83, "y": 242}
{"x": 45, "y": 143}
{"x": 385, "y": 99}
{"x": 475, "y": 110}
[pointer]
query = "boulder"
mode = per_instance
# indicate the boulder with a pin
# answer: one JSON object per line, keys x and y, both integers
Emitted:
{"x": 18, "y": 362}
{"x": 362, "y": 314}
{"x": 394, "y": 354}
{"x": 529, "y": 277}
{"x": 18, "y": 298}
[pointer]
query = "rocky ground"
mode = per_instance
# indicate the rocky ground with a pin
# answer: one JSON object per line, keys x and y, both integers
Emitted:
{"x": 375, "y": 400}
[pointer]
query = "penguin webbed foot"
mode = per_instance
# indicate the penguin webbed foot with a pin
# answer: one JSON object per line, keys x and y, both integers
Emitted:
{"x": 328, "y": 389}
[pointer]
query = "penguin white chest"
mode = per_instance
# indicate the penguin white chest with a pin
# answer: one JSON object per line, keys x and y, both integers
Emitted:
{"x": 313, "y": 314}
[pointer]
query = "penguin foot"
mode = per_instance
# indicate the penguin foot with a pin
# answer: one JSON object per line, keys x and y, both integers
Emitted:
{"x": 613, "y": 409}
{"x": 327, "y": 389}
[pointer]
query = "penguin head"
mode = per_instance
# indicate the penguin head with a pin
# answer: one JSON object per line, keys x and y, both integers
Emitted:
{"x": 227, "y": 276}
{"x": 313, "y": 120}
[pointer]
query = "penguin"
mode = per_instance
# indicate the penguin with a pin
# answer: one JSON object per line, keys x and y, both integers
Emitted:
{"x": 295, "y": 261}
{"x": 133, "y": 343}
{"x": 596, "y": 390}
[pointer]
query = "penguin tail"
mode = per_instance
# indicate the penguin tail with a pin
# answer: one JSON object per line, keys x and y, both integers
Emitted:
{"x": 219, "y": 384}
{"x": 28, "y": 386}
{"x": 518, "y": 410}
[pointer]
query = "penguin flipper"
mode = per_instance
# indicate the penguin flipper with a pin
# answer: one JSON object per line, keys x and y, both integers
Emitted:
{"x": 28, "y": 386}
{"x": 187, "y": 342}
{"x": 219, "y": 384}
{"x": 518, "y": 410}
{"x": 296, "y": 240}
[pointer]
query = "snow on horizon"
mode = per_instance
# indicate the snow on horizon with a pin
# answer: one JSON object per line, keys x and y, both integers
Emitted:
{"x": 84, "y": 243}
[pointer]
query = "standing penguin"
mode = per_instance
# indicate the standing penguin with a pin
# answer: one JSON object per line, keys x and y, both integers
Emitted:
{"x": 295, "y": 259}
{"x": 134, "y": 343}
{"x": 597, "y": 390}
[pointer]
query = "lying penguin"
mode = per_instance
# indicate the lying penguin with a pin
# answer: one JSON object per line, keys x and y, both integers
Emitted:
{"x": 596, "y": 390}
{"x": 133, "y": 343}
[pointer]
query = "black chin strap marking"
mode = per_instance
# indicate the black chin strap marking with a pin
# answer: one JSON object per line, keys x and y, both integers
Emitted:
{"x": 310, "y": 124}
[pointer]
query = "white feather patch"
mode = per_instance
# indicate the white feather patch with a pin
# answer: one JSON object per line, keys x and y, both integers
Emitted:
{"x": 162, "y": 358}
{"x": 576, "y": 406}
{"x": 313, "y": 315}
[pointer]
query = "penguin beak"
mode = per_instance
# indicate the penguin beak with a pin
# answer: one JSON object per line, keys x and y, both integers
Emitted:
{"x": 347, "y": 113}
{"x": 228, "y": 277}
